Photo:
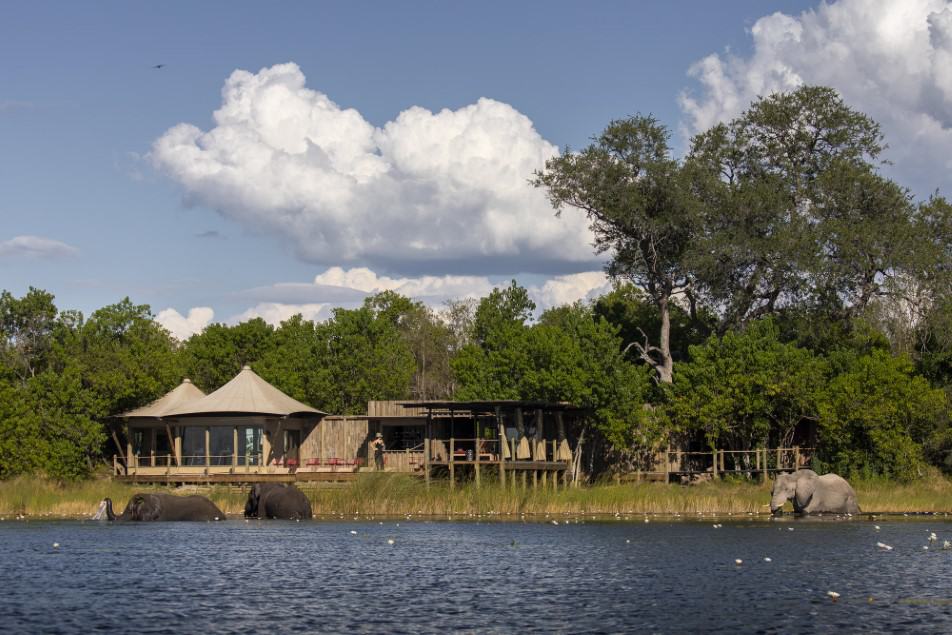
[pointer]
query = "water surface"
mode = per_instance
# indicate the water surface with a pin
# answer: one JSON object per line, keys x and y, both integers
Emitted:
{"x": 578, "y": 576}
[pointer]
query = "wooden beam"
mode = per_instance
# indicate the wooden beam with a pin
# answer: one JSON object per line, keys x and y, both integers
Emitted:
{"x": 502, "y": 439}
{"x": 426, "y": 445}
{"x": 122, "y": 453}
{"x": 168, "y": 432}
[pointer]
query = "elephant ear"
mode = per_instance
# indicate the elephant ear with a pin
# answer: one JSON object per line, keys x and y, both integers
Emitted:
{"x": 138, "y": 507}
{"x": 806, "y": 486}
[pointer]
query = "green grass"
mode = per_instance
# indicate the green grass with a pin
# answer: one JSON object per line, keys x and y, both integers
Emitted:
{"x": 398, "y": 495}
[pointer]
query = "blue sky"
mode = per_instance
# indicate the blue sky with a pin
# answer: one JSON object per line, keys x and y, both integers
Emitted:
{"x": 82, "y": 109}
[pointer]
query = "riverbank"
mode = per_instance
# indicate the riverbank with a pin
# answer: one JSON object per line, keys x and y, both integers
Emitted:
{"x": 399, "y": 495}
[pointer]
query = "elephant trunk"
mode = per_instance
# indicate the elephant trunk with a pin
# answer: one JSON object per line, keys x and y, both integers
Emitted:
{"x": 776, "y": 505}
{"x": 105, "y": 510}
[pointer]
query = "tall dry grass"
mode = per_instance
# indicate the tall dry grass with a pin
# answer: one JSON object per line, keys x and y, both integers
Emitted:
{"x": 398, "y": 495}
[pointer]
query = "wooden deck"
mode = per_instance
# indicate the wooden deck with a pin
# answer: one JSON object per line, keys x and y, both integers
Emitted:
{"x": 239, "y": 479}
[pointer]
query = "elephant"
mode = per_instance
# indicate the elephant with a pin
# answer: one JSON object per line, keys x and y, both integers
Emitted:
{"x": 148, "y": 507}
{"x": 277, "y": 500}
{"x": 813, "y": 494}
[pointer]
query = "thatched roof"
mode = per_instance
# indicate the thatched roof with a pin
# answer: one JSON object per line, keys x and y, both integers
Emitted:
{"x": 177, "y": 398}
{"x": 247, "y": 393}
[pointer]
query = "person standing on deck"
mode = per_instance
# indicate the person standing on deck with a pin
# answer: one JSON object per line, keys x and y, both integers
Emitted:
{"x": 377, "y": 446}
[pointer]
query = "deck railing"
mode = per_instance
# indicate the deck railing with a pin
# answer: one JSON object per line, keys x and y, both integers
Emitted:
{"x": 758, "y": 462}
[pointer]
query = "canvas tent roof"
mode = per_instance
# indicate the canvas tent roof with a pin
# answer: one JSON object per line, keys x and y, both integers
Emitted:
{"x": 246, "y": 393}
{"x": 175, "y": 399}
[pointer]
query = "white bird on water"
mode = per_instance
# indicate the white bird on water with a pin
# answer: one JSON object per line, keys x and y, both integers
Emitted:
{"x": 833, "y": 595}
{"x": 933, "y": 537}
{"x": 738, "y": 561}
{"x": 883, "y": 546}
{"x": 947, "y": 545}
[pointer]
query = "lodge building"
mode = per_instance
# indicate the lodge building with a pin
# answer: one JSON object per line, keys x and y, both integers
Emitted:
{"x": 249, "y": 431}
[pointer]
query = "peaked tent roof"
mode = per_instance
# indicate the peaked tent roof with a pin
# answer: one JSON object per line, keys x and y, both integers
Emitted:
{"x": 246, "y": 393}
{"x": 175, "y": 399}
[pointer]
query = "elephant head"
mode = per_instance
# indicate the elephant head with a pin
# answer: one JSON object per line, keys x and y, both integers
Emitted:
{"x": 798, "y": 486}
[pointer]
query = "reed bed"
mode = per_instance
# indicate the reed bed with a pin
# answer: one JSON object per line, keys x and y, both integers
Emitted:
{"x": 401, "y": 495}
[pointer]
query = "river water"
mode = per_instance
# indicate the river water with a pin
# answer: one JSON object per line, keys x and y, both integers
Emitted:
{"x": 582, "y": 575}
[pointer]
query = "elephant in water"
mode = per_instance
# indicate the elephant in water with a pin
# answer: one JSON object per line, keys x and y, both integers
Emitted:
{"x": 277, "y": 500}
{"x": 145, "y": 507}
{"x": 813, "y": 494}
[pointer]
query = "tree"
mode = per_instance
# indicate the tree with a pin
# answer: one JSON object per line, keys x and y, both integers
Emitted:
{"x": 26, "y": 328}
{"x": 876, "y": 414}
{"x": 747, "y": 389}
{"x": 642, "y": 210}
{"x": 792, "y": 208}
{"x": 214, "y": 356}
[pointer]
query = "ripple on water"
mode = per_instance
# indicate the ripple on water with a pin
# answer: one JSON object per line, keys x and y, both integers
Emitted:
{"x": 492, "y": 577}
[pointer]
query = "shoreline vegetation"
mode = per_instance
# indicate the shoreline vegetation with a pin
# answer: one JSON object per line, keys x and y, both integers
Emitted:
{"x": 391, "y": 495}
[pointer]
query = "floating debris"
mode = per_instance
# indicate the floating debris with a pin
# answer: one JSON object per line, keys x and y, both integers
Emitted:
{"x": 738, "y": 561}
{"x": 353, "y": 532}
{"x": 390, "y": 541}
{"x": 55, "y": 545}
{"x": 767, "y": 560}
{"x": 876, "y": 527}
{"x": 555, "y": 522}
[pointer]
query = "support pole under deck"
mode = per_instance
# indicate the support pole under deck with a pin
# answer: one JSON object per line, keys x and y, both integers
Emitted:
{"x": 502, "y": 436}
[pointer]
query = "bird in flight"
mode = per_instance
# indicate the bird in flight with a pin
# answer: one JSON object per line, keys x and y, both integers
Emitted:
{"x": 158, "y": 66}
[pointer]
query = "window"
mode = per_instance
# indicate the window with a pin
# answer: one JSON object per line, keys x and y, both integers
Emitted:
{"x": 222, "y": 444}
{"x": 193, "y": 445}
{"x": 249, "y": 445}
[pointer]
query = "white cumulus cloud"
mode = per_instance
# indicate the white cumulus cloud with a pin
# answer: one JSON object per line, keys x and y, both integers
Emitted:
{"x": 275, "y": 312}
{"x": 183, "y": 327}
{"x": 425, "y": 192}
{"x": 568, "y": 289}
{"x": 36, "y": 247}
{"x": 340, "y": 287}
{"x": 891, "y": 59}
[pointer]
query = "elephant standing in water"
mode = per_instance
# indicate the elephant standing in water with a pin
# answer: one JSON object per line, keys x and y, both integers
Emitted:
{"x": 148, "y": 507}
{"x": 277, "y": 500}
{"x": 813, "y": 494}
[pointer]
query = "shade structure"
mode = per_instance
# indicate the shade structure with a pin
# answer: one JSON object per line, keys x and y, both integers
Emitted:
{"x": 177, "y": 398}
{"x": 247, "y": 394}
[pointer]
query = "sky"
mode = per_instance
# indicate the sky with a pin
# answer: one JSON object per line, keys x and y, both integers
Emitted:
{"x": 295, "y": 157}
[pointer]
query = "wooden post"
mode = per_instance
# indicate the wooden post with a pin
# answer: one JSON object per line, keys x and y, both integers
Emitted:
{"x": 131, "y": 464}
{"x": 667, "y": 464}
{"x": 722, "y": 460}
{"x": 545, "y": 478}
{"x": 426, "y": 446}
{"x": 115, "y": 440}
{"x": 502, "y": 435}
{"x": 178, "y": 446}
{"x": 535, "y": 479}
{"x": 168, "y": 432}
{"x": 779, "y": 459}
{"x": 208, "y": 446}
{"x": 234, "y": 448}
{"x": 714, "y": 468}
{"x": 452, "y": 462}
{"x": 151, "y": 447}
{"x": 524, "y": 484}
{"x": 796, "y": 457}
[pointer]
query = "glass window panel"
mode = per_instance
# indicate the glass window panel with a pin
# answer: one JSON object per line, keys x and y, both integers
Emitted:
{"x": 249, "y": 445}
{"x": 222, "y": 445}
{"x": 193, "y": 445}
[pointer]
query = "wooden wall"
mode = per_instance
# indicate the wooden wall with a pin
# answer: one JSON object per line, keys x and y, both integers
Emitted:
{"x": 337, "y": 437}
{"x": 393, "y": 409}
